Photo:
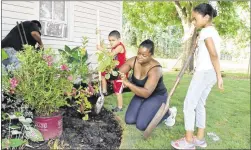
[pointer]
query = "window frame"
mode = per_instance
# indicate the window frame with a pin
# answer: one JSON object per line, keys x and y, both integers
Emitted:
{"x": 69, "y": 10}
{"x": 46, "y": 20}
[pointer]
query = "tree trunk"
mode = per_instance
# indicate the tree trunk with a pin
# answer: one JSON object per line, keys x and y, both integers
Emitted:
{"x": 189, "y": 32}
{"x": 189, "y": 39}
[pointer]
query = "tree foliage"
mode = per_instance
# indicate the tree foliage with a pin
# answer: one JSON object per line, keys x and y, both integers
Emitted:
{"x": 147, "y": 19}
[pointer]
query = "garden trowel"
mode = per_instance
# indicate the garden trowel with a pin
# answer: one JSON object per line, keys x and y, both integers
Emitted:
{"x": 100, "y": 102}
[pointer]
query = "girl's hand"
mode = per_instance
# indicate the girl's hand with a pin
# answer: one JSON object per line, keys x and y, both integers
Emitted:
{"x": 220, "y": 83}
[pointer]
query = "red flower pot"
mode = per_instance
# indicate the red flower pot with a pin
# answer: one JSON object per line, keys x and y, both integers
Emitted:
{"x": 50, "y": 127}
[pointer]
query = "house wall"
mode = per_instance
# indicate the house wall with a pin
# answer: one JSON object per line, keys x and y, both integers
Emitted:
{"x": 81, "y": 18}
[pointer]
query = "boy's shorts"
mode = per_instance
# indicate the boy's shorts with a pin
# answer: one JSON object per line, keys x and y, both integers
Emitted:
{"x": 117, "y": 86}
{"x": 103, "y": 73}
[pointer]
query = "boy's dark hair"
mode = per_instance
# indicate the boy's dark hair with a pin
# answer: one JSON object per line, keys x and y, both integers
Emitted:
{"x": 38, "y": 23}
{"x": 149, "y": 45}
{"x": 115, "y": 33}
{"x": 205, "y": 9}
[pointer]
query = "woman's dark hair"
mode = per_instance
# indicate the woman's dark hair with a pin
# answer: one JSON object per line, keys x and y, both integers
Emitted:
{"x": 149, "y": 45}
{"x": 115, "y": 33}
{"x": 38, "y": 23}
{"x": 205, "y": 9}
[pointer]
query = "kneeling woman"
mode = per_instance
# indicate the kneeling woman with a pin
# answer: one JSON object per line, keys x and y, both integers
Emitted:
{"x": 147, "y": 84}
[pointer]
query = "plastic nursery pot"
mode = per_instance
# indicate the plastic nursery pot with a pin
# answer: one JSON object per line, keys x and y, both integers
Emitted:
{"x": 50, "y": 127}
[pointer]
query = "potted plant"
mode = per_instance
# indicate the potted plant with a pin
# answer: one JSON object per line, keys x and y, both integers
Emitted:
{"x": 42, "y": 80}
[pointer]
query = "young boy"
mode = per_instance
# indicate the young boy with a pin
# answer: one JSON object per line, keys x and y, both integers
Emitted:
{"x": 119, "y": 52}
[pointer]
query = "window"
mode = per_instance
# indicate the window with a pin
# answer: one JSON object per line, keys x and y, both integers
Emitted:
{"x": 53, "y": 18}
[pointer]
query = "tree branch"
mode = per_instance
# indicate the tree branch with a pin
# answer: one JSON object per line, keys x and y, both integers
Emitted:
{"x": 181, "y": 12}
{"x": 189, "y": 12}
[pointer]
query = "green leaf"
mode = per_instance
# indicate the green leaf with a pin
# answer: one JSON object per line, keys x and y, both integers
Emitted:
{"x": 4, "y": 54}
{"x": 16, "y": 142}
{"x": 107, "y": 76}
{"x": 86, "y": 117}
{"x": 5, "y": 143}
{"x": 75, "y": 48}
{"x": 14, "y": 127}
{"x": 62, "y": 51}
{"x": 70, "y": 59}
{"x": 34, "y": 134}
{"x": 75, "y": 56}
{"x": 67, "y": 49}
{"x": 115, "y": 73}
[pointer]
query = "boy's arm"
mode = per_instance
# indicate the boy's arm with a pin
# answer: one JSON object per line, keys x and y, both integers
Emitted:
{"x": 117, "y": 50}
{"x": 215, "y": 60}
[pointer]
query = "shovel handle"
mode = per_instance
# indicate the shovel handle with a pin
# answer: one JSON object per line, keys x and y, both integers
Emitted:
{"x": 164, "y": 107}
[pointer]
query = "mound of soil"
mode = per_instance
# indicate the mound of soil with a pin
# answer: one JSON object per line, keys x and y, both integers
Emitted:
{"x": 99, "y": 132}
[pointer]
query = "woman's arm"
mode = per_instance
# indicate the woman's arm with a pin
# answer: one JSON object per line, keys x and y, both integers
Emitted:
{"x": 127, "y": 66}
{"x": 215, "y": 60}
{"x": 150, "y": 85}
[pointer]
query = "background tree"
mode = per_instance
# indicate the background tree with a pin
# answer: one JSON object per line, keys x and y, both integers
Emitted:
{"x": 147, "y": 19}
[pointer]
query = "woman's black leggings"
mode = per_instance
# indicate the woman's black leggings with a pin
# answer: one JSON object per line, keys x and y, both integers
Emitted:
{"x": 141, "y": 111}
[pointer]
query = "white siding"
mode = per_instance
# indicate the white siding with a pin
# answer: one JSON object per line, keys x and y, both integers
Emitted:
{"x": 13, "y": 11}
{"x": 81, "y": 18}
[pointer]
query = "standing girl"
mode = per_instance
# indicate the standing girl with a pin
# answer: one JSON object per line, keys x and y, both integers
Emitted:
{"x": 207, "y": 72}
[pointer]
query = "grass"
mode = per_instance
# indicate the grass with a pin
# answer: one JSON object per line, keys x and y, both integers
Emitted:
{"x": 228, "y": 115}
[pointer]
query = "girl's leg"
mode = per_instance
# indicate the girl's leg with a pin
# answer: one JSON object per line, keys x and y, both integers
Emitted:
{"x": 148, "y": 110}
{"x": 132, "y": 110}
{"x": 200, "y": 109}
{"x": 195, "y": 90}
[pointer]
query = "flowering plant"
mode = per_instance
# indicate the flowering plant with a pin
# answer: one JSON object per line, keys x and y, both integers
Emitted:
{"x": 77, "y": 59}
{"x": 41, "y": 80}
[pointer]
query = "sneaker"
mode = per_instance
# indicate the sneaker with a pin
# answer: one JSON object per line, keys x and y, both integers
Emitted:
{"x": 182, "y": 144}
{"x": 105, "y": 93}
{"x": 200, "y": 143}
{"x": 170, "y": 121}
{"x": 116, "y": 109}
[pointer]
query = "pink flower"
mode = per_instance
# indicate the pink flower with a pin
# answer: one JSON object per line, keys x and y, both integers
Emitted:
{"x": 64, "y": 67}
{"x": 13, "y": 82}
{"x": 48, "y": 59}
{"x": 49, "y": 64}
{"x": 70, "y": 78}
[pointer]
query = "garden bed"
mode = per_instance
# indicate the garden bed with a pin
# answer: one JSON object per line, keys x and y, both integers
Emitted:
{"x": 99, "y": 132}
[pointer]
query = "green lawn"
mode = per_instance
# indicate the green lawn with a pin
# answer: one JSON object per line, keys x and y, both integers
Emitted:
{"x": 228, "y": 115}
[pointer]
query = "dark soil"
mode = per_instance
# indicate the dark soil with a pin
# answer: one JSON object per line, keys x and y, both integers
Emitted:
{"x": 99, "y": 132}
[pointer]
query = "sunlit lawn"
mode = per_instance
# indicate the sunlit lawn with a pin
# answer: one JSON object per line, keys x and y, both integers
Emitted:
{"x": 228, "y": 115}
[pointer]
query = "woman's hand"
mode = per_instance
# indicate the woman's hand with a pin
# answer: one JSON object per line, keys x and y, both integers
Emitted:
{"x": 124, "y": 79}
